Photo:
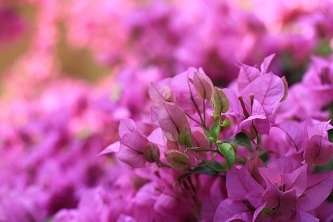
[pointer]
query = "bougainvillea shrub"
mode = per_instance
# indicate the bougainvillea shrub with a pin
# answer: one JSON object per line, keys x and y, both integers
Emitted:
{"x": 264, "y": 163}
{"x": 166, "y": 110}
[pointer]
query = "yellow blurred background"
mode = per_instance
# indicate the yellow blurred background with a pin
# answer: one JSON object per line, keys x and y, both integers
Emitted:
{"x": 74, "y": 62}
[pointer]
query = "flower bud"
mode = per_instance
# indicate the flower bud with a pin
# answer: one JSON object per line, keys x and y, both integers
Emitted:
{"x": 177, "y": 159}
{"x": 185, "y": 138}
{"x": 203, "y": 85}
{"x": 220, "y": 102}
{"x": 172, "y": 120}
{"x": 152, "y": 153}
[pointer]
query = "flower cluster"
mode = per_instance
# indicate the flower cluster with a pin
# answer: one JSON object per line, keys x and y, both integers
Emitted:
{"x": 229, "y": 141}
{"x": 49, "y": 145}
{"x": 174, "y": 35}
{"x": 264, "y": 163}
{"x": 44, "y": 142}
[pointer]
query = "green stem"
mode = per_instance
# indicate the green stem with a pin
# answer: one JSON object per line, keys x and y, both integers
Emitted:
{"x": 202, "y": 150}
{"x": 204, "y": 114}
{"x": 211, "y": 167}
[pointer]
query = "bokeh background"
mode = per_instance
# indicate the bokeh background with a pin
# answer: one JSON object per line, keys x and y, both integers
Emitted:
{"x": 70, "y": 69}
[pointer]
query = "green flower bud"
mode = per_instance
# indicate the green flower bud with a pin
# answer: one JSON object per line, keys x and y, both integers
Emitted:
{"x": 176, "y": 159}
{"x": 152, "y": 153}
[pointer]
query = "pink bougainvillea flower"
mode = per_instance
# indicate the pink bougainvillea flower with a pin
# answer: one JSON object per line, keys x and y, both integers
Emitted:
{"x": 318, "y": 80}
{"x": 324, "y": 212}
{"x": 248, "y": 74}
{"x": 134, "y": 148}
{"x": 160, "y": 92}
{"x": 260, "y": 93}
{"x": 131, "y": 151}
{"x": 295, "y": 132}
{"x": 290, "y": 190}
{"x": 184, "y": 92}
{"x": 214, "y": 192}
{"x": 257, "y": 119}
{"x": 318, "y": 151}
{"x": 172, "y": 120}
{"x": 244, "y": 197}
{"x": 309, "y": 138}
{"x": 268, "y": 89}
{"x": 318, "y": 187}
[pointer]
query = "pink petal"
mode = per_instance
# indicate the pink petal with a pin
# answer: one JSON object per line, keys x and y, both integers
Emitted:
{"x": 257, "y": 118}
{"x": 126, "y": 126}
{"x": 113, "y": 148}
{"x": 199, "y": 138}
{"x": 247, "y": 74}
{"x": 132, "y": 146}
{"x": 319, "y": 186}
{"x": 296, "y": 180}
{"x": 157, "y": 137}
{"x": 257, "y": 214}
{"x": 306, "y": 217}
{"x": 284, "y": 165}
{"x": 265, "y": 64}
{"x": 267, "y": 89}
{"x": 184, "y": 92}
{"x": 287, "y": 164}
{"x": 168, "y": 205}
{"x": 228, "y": 209}
{"x": 287, "y": 203}
{"x": 318, "y": 151}
{"x": 202, "y": 85}
{"x": 295, "y": 132}
{"x": 160, "y": 92}
{"x": 271, "y": 175}
{"x": 240, "y": 183}
{"x": 271, "y": 196}
{"x": 235, "y": 108}
{"x": 172, "y": 120}
{"x": 319, "y": 129}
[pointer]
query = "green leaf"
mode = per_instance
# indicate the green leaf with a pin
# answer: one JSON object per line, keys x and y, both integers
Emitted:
{"x": 177, "y": 159}
{"x": 226, "y": 123}
{"x": 326, "y": 168}
{"x": 211, "y": 168}
{"x": 210, "y": 138}
{"x": 323, "y": 48}
{"x": 207, "y": 133}
{"x": 263, "y": 155}
{"x": 228, "y": 152}
{"x": 215, "y": 130}
{"x": 241, "y": 139}
{"x": 185, "y": 138}
{"x": 220, "y": 102}
{"x": 266, "y": 212}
